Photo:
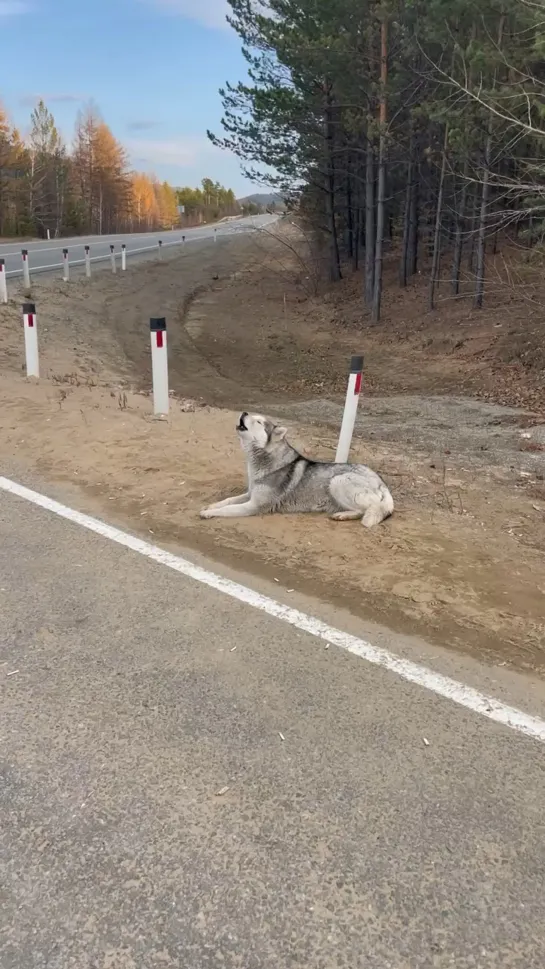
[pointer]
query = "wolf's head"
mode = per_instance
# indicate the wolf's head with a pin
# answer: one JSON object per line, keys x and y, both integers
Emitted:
{"x": 258, "y": 433}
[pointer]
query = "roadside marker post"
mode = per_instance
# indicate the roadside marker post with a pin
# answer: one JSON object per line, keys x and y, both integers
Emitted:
{"x": 123, "y": 257}
{"x": 350, "y": 409}
{"x": 112, "y": 259}
{"x": 160, "y": 244}
{"x": 3, "y": 282}
{"x": 31, "y": 340}
{"x": 159, "y": 365}
{"x": 215, "y": 235}
{"x": 65, "y": 266}
{"x": 183, "y": 242}
{"x": 87, "y": 262}
{"x": 26, "y": 269}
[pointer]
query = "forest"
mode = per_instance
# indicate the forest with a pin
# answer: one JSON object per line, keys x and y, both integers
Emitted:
{"x": 50, "y": 189}
{"x": 402, "y": 127}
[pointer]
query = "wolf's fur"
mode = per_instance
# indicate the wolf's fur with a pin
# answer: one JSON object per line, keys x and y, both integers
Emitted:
{"x": 280, "y": 479}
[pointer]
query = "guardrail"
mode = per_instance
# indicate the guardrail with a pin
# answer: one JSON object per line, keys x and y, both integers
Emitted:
{"x": 158, "y": 246}
{"x": 81, "y": 262}
{"x": 66, "y": 263}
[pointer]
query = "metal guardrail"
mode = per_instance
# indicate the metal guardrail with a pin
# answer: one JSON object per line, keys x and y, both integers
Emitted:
{"x": 228, "y": 229}
{"x": 81, "y": 262}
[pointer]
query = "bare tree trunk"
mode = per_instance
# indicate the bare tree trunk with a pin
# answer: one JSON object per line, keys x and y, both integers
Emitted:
{"x": 349, "y": 217}
{"x": 356, "y": 242}
{"x": 369, "y": 224}
{"x": 331, "y": 223}
{"x": 412, "y": 253}
{"x": 381, "y": 181}
{"x": 459, "y": 234}
{"x": 481, "y": 236}
{"x": 333, "y": 246}
{"x": 379, "y": 243}
{"x": 475, "y": 208}
{"x": 436, "y": 257}
{"x": 409, "y": 188}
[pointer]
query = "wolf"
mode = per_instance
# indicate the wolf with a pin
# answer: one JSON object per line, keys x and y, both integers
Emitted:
{"x": 280, "y": 479}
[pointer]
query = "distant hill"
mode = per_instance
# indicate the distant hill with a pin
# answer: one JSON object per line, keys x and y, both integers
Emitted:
{"x": 263, "y": 200}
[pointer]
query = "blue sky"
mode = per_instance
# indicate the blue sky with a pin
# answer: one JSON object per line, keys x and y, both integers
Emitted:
{"x": 153, "y": 67}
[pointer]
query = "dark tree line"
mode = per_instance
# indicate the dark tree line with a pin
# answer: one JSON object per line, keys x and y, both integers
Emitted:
{"x": 418, "y": 124}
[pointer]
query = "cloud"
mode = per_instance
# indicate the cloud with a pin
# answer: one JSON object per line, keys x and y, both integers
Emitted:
{"x": 142, "y": 125}
{"x": 179, "y": 152}
{"x": 29, "y": 100}
{"x": 210, "y": 13}
{"x": 13, "y": 8}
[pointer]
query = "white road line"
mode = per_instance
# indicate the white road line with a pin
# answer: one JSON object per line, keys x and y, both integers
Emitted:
{"x": 443, "y": 686}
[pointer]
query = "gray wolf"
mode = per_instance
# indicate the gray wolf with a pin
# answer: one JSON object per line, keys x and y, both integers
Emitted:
{"x": 280, "y": 479}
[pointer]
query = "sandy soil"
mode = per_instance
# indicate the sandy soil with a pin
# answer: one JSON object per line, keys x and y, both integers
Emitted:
{"x": 461, "y": 561}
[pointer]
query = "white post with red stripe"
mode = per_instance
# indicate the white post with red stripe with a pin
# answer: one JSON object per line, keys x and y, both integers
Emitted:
{"x": 123, "y": 257}
{"x": 159, "y": 365}
{"x": 65, "y": 266}
{"x": 350, "y": 409}
{"x": 112, "y": 259}
{"x": 26, "y": 269}
{"x": 3, "y": 282}
{"x": 31, "y": 340}
{"x": 160, "y": 245}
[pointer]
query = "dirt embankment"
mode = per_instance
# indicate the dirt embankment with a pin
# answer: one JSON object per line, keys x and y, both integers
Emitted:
{"x": 461, "y": 561}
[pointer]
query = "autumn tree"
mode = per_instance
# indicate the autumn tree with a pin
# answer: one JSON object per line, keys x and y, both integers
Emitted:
{"x": 48, "y": 189}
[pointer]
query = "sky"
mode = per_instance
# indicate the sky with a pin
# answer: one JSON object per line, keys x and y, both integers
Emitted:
{"x": 153, "y": 68}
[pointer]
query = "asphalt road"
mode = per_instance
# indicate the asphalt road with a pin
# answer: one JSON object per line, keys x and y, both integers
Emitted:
{"x": 48, "y": 256}
{"x": 136, "y": 695}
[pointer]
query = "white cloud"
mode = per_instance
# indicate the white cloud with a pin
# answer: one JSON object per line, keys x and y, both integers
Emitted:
{"x": 13, "y": 8}
{"x": 179, "y": 152}
{"x": 142, "y": 125}
{"x": 210, "y": 13}
{"x": 29, "y": 100}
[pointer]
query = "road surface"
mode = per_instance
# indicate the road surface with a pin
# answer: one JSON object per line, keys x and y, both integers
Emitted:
{"x": 189, "y": 783}
{"x": 47, "y": 256}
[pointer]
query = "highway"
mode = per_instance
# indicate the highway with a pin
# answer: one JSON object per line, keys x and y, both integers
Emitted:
{"x": 47, "y": 256}
{"x": 190, "y": 782}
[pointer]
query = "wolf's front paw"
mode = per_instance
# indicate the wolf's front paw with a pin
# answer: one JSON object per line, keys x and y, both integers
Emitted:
{"x": 206, "y": 513}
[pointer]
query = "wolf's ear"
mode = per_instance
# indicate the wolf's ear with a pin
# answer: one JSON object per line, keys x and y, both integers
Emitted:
{"x": 279, "y": 432}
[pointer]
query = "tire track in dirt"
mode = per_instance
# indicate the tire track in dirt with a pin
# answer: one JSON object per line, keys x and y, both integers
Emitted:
{"x": 173, "y": 290}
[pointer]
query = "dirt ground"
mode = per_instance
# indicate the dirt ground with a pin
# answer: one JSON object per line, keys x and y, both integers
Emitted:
{"x": 461, "y": 561}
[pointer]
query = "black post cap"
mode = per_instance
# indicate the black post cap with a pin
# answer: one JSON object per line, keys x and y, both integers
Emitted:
{"x": 112, "y": 248}
{"x": 65, "y": 252}
{"x": 356, "y": 364}
{"x": 123, "y": 246}
{"x": 157, "y": 324}
{"x": 160, "y": 242}
{"x": 29, "y": 308}
{"x": 2, "y": 262}
{"x": 24, "y": 252}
